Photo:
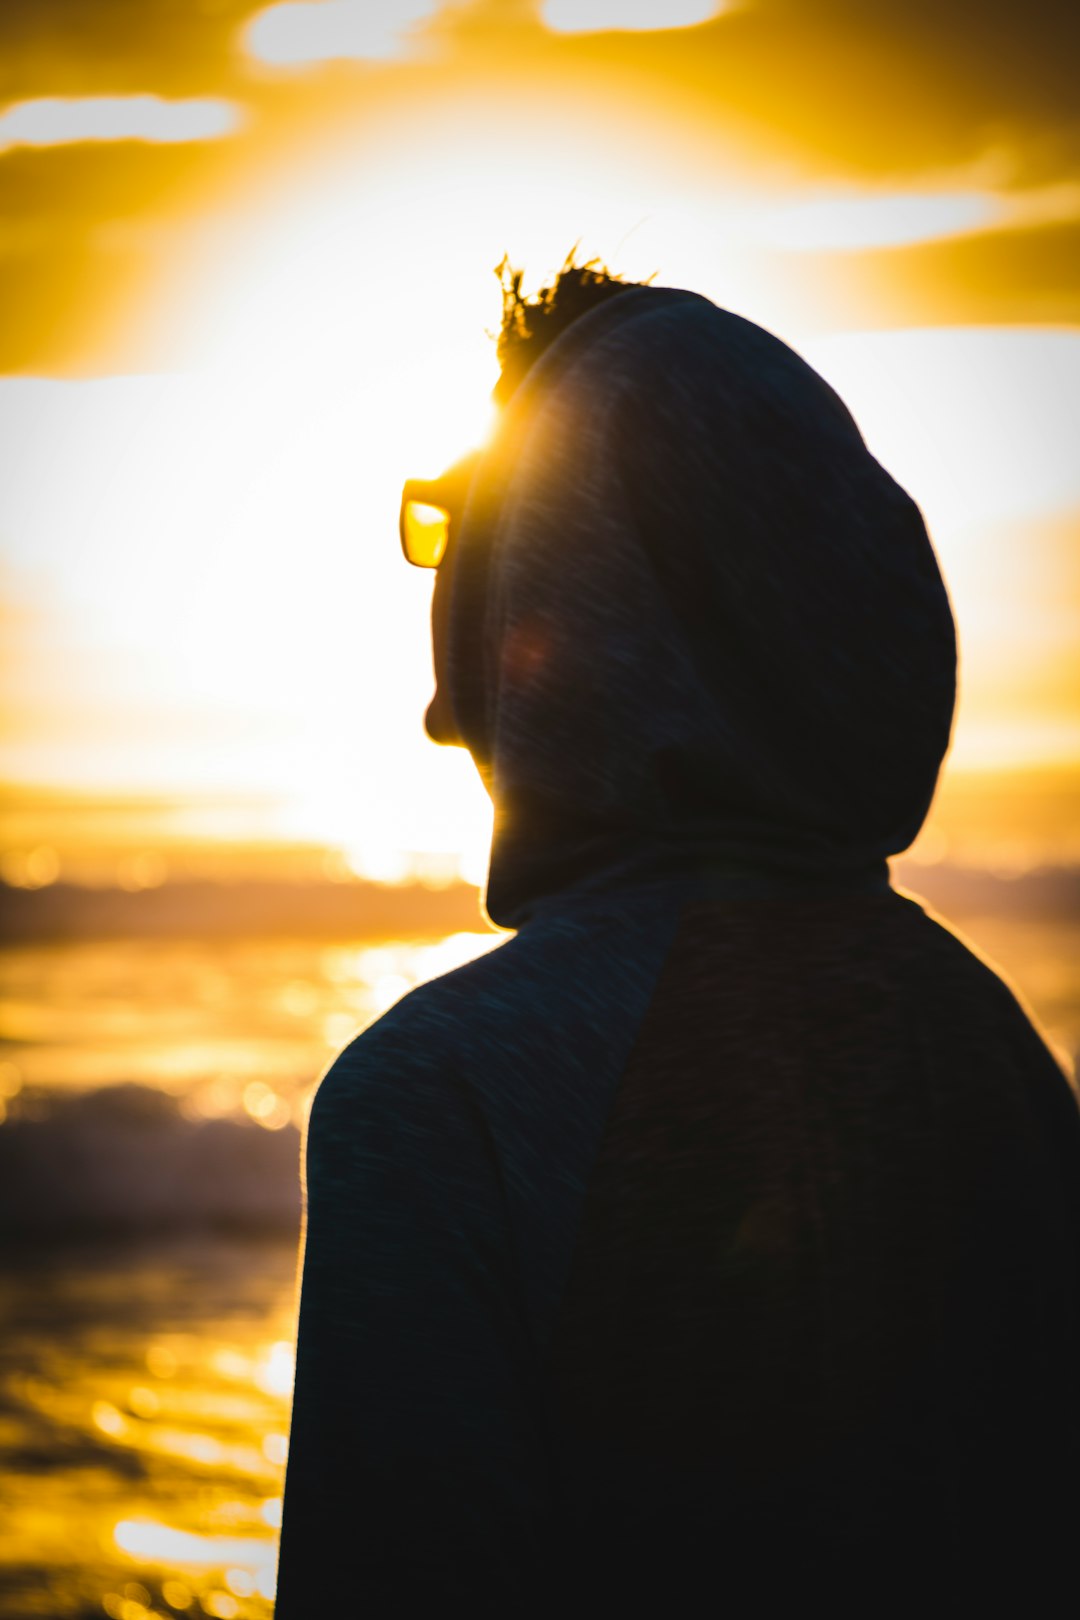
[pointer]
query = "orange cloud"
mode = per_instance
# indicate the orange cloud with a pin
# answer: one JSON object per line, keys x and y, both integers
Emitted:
{"x": 626, "y": 16}
{"x": 66, "y": 120}
{"x": 334, "y": 30}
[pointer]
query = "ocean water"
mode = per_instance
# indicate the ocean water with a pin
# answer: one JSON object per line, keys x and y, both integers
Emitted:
{"x": 153, "y": 1094}
{"x": 163, "y": 1083}
{"x": 144, "y": 1409}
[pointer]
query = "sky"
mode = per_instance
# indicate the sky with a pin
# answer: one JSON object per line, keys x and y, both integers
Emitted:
{"x": 246, "y": 270}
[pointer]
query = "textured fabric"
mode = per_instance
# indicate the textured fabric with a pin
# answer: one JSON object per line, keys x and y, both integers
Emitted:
{"x": 448, "y": 1152}
{"x": 692, "y": 617}
{"x": 682, "y": 1235}
{"x": 824, "y": 1298}
{"x": 715, "y": 1242}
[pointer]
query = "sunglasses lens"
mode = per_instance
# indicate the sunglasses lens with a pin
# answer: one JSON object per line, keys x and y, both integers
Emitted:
{"x": 425, "y": 530}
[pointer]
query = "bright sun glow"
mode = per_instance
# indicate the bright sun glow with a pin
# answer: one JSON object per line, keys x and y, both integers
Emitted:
{"x": 153, "y": 1543}
{"x": 237, "y": 616}
{"x": 59, "y": 121}
{"x": 329, "y": 30}
{"x": 240, "y": 528}
{"x": 274, "y": 1373}
{"x": 272, "y": 482}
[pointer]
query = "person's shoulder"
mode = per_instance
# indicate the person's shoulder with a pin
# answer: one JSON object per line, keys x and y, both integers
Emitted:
{"x": 406, "y": 1064}
{"x": 559, "y": 977}
{"x": 423, "y": 1028}
{"x": 555, "y": 961}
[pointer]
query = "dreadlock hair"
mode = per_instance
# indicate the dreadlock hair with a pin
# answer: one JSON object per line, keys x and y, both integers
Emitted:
{"x": 530, "y": 325}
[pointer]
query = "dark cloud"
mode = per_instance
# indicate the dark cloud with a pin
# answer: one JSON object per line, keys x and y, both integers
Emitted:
{"x": 986, "y": 58}
{"x": 95, "y": 47}
{"x": 887, "y": 88}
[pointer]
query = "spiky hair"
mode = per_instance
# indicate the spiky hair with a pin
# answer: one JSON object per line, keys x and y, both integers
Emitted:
{"x": 531, "y": 324}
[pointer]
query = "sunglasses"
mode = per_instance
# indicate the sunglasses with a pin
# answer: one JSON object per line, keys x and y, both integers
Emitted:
{"x": 430, "y": 507}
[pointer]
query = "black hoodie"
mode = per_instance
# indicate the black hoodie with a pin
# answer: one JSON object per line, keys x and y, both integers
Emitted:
{"x": 720, "y": 1232}
{"x": 691, "y": 615}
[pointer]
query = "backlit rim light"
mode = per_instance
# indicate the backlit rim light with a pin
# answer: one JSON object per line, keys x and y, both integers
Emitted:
{"x": 65, "y": 121}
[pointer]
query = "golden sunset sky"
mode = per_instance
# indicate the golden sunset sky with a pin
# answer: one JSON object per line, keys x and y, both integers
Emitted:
{"x": 246, "y": 282}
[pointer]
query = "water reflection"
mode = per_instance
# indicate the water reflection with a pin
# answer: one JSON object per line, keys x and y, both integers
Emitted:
{"x": 203, "y": 1020}
{"x": 155, "y": 1088}
{"x": 144, "y": 1404}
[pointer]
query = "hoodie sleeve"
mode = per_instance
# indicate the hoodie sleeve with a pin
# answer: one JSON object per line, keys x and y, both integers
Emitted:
{"x": 416, "y": 1463}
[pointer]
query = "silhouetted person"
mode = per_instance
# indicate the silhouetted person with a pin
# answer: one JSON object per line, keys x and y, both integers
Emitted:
{"x": 714, "y": 1243}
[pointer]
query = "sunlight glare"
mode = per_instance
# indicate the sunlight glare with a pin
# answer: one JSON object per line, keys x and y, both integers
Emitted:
{"x": 377, "y": 862}
{"x": 998, "y": 743}
{"x": 275, "y": 1448}
{"x": 65, "y": 120}
{"x": 220, "y": 1605}
{"x": 452, "y": 952}
{"x": 158, "y": 1543}
{"x": 275, "y": 1372}
{"x": 230, "y": 1363}
{"x": 109, "y": 1420}
{"x": 345, "y": 352}
{"x": 388, "y": 989}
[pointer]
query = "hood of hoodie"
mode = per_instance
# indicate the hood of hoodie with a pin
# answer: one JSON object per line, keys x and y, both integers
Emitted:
{"x": 693, "y": 626}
